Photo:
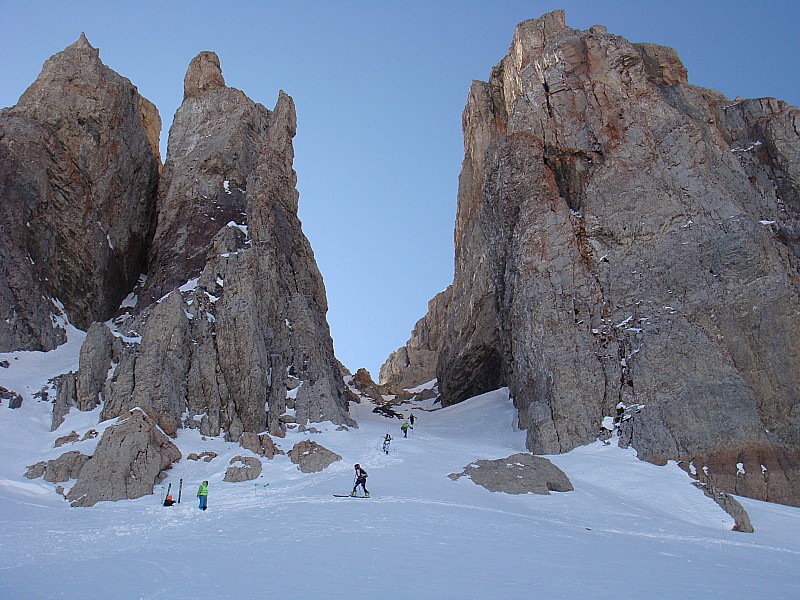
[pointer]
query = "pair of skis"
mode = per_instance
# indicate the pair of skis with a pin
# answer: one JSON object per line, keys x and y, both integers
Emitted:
{"x": 169, "y": 488}
{"x": 351, "y": 495}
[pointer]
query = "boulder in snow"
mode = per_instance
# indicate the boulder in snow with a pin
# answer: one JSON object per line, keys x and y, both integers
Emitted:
{"x": 518, "y": 474}
{"x": 250, "y": 469}
{"x": 65, "y": 467}
{"x": 206, "y": 456}
{"x": 260, "y": 444}
{"x": 14, "y": 399}
{"x": 66, "y": 439}
{"x": 130, "y": 459}
{"x": 312, "y": 457}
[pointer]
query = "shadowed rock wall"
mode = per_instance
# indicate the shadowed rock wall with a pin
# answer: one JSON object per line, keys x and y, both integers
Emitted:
{"x": 78, "y": 176}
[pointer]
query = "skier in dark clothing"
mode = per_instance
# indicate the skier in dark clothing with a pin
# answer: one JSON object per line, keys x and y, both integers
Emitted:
{"x": 411, "y": 420}
{"x": 386, "y": 441}
{"x": 361, "y": 480}
{"x": 168, "y": 501}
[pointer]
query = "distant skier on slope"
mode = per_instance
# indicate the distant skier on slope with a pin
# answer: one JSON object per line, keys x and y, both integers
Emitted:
{"x": 202, "y": 495}
{"x": 404, "y": 428}
{"x": 411, "y": 420}
{"x": 361, "y": 480}
{"x": 168, "y": 501}
{"x": 386, "y": 441}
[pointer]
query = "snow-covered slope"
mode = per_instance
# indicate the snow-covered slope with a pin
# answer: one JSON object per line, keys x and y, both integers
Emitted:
{"x": 629, "y": 528}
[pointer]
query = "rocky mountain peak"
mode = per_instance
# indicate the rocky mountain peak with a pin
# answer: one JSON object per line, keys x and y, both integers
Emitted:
{"x": 78, "y": 178}
{"x": 226, "y": 331}
{"x": 232, "y": 311}
{"x": 606, "y": 212}
{"x": 82, "y": 43}
{"x": 204, "y": 74}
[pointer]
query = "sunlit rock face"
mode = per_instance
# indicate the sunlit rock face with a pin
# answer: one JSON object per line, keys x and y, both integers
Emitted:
{"x": 625, "y": 237}
{"x": 231, "y": 319}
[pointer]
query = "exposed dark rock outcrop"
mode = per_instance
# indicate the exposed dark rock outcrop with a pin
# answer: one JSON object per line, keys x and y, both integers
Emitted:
{"x": 415, "y": 363}
{"x": 243, "y": 346}
{"x": 730, "y": 505}
{"x": 362, "y": 380}
{"x": 159, "y": 369}
{"x": 95, "y": 361}
{"x": 760, "y": 471}
{"x": 249, "y": 469}
{"x": 129, "y": 461}
{"x": 260, "y": 444}
{"x": 623, "y": 236}
{"x": 204, "y": 456}
{"x": 66, "y": 397}
{"x": 79, "y": 171}
{"x": 518, "y": 474}
{"x": 14, "y": 399}
{"x": 66, "y": 439}
{"x": 65, "y": 467}
{"x": 311, "y": 457}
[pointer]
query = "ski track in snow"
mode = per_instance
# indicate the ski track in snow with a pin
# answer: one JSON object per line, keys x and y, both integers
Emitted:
{"x": 638, "y": 528}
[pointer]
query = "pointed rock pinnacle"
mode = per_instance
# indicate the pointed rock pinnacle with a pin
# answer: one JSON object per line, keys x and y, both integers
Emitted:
{"x": 203, "y": 74}
{"x": 82, "y": 43}
{"x": 83, "y": 46}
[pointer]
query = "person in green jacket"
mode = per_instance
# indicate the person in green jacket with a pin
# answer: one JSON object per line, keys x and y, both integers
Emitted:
{"x": 405, "y": 427}
{"x": 202, "y": 494}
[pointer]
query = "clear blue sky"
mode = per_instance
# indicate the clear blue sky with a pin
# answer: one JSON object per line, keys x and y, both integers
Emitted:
{"x": 379, "y": 89}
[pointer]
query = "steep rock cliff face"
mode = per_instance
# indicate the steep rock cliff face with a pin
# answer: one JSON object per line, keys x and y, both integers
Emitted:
{"x": 623, "y": 236}
{"x": 415, "y": 362}
{"x": 229, "y": 332}
{"x": 78, "y": 177}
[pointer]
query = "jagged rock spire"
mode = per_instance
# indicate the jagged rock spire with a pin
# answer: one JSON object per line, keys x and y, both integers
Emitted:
{"x": 256, "y": 329}
{"x": 82, "y": 42}
{"x": 81, "y": 45}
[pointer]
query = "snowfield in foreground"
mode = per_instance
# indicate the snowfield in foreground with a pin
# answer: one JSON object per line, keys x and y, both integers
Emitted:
{"x": 630, "y": 528}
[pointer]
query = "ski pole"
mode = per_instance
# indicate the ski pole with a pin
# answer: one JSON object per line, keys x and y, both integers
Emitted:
{"x": 180, "y": 490}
